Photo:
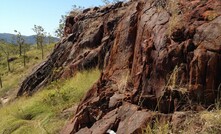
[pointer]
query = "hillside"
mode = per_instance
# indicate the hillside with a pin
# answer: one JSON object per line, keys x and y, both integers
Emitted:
{"x": 12, "y": 79}
{"x": 48, "y": 110}
{"x": 154, "y": 68}
{"x": 28, "y": 39}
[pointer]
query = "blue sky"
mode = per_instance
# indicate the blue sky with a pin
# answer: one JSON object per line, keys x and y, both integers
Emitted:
{"x": 22, "y": 15}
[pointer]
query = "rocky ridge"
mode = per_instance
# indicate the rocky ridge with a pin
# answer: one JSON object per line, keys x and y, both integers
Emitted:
{"x": 154, "y": 55}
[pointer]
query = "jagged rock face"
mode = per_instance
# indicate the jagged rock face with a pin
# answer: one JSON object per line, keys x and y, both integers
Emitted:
{"x": 84, "y": 46}
{"x": 153, "y": 55}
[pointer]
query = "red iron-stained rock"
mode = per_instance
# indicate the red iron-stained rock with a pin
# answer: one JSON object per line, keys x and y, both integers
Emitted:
{"x": 152, "y": 57}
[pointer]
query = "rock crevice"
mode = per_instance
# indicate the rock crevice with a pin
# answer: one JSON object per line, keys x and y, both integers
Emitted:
{"x": 152, "y": 57}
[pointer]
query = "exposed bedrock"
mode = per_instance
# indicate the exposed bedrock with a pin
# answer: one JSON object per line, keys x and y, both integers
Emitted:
{"x": 153, "y": 57}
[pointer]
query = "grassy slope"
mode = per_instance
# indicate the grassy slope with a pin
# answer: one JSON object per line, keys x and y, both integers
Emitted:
{"x": 43, "y": 112}
{"x": 11, "y": 80}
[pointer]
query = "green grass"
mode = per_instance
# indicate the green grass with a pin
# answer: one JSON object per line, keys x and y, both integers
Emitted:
{"x": 212, "y": 121}
{"x": 204, "y": 122}
{"x": 157, "y": 127}
{"x": 12, "y": 80}
{"x": 42, "y": 112}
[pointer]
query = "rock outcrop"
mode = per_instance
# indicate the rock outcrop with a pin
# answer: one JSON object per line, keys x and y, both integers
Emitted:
{"x": 155, "y": 55}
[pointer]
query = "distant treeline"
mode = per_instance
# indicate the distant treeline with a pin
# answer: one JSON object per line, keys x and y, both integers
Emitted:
{"x": 11, "y": 38}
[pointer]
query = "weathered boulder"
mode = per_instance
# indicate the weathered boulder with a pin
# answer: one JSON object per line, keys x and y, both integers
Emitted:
{"x": 154, "y": 55}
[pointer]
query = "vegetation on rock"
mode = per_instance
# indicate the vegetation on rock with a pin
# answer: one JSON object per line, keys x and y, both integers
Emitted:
{"x": 144, "y": 67}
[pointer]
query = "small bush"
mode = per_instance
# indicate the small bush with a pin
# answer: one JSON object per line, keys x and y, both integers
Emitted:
{"x": 175, "y": 21}
{"x": 157, "y": 127}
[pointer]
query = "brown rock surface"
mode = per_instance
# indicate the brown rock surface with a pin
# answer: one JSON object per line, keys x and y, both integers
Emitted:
{"x": 153, "y": 56}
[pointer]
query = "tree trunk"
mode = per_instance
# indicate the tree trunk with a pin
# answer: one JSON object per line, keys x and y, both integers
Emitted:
{"x": 24, "y": 58}
{"x": 1, "y": 81}
{"x": 38, "y": 45}
{"x": 42, "y": 51}
{"x": 20, "y": 52}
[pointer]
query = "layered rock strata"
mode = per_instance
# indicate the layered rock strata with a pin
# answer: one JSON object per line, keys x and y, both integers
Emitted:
{"x": 154, "y": 55}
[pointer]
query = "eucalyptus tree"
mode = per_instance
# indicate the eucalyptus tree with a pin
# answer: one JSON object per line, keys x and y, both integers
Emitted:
{"x": 60, "y": 30}
{"x": 40, "y": 38}
{"x": 20, "y": 41}
{"x": 6, "y": 50}
{"x": 50, "y": 38}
